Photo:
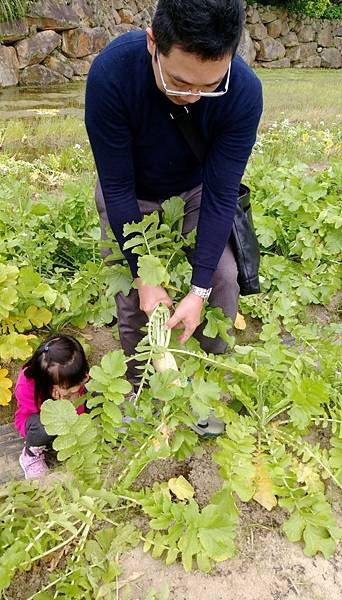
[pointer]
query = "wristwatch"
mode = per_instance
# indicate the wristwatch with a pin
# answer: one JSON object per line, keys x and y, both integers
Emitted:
{"x": 203, "y": 293}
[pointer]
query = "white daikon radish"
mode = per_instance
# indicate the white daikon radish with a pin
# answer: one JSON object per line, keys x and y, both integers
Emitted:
{"x": 160, "y": 337}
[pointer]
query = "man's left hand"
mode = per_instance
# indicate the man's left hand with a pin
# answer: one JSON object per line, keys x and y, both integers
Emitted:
{"x": 187, "y": 315}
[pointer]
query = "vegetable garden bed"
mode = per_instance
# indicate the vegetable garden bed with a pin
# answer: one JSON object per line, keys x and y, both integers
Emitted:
{"x": 275, "y": 473}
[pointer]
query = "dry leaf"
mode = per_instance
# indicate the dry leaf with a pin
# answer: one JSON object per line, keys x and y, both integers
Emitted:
{"x": 240, "y": 322}
{"x": 181, "y": 488}
{"x": 263, "y": 494}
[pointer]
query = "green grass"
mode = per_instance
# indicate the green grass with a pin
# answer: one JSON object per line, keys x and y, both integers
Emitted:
{"x": 301, "y": 95}
{"x": 12, "y": 9}
{"x": 31, "y": 137}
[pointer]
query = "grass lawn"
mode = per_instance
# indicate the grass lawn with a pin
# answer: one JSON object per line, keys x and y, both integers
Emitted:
{"x": 301, "y": 95}
{"x": 38, "y": 122}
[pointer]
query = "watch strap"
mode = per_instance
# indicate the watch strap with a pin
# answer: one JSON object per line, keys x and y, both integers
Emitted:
{"x": 203, "y": 293}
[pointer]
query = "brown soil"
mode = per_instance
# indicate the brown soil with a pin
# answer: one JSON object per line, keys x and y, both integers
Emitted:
{"x": 269, "y": 568}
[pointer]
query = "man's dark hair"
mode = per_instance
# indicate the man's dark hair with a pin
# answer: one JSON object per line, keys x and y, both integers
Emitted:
{"x": 211, "y": 29}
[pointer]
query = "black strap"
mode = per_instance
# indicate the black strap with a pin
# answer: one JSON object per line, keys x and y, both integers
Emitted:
{"x": 184, "y": 121}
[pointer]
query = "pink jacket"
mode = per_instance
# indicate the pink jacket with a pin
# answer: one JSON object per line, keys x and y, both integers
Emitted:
{"x": 24, "y": 393}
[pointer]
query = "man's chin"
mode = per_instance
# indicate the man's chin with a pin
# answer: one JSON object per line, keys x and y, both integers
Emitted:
{"x": 179, "y": 101}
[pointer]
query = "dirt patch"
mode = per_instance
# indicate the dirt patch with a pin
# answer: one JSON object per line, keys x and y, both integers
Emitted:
{"x": 97, "y": 341}
{"x": 161, "y": 470}
{"x": 25, "y": 584}
{"x": 322, "y": 315}
{"x": 268, "y": 569}
{"x": 250, "y": 335}
{"x": 203, "y": 474}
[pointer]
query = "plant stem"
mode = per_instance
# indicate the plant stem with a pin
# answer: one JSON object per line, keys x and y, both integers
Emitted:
{"x": 143, "y": 379}
{"x": 211, "y": 361}
{"x": 59, "y": 546}
{"x": 137, "y": 454}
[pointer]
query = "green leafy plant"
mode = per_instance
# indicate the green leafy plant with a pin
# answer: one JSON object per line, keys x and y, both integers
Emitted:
{"x": 12, "y": 9}
{"x": 312, "y": 8}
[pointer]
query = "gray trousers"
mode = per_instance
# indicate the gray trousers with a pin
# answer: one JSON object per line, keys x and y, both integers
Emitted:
{"x": 35, "y": 432}
{"x": 225, "y": 292}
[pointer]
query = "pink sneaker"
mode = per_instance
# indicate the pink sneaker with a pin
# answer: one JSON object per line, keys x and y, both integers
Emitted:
{"x": 35, "y": 466}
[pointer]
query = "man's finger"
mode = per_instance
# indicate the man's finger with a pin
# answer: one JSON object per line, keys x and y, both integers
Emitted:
{"x": 167, "y": 301}
{"x": 186, "y": 334}
{"x": 173, "y": 322}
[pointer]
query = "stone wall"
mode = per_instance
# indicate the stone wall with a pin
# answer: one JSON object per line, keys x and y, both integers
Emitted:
{"x": 59, "y": 39}
{"x": 273, "y": 38}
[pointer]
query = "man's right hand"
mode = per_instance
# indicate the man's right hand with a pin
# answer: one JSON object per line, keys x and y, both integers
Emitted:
{"x": 150, "y": 296}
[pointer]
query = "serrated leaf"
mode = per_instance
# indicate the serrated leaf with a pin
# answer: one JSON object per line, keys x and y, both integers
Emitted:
{"x": 316, "y": 540}
{"x": 171, "y": 556}
{"x": 114, "y": 364}
{"x": 216, "y": 533}
{"x": 119, "y": 280}
{"x": 15, "y": 345}
{"x": 188, "y": 545}
{"x": 151, "y": 270}
{"x": 307, "y": 396}
{"x": 8, "y": 300}
{"x": 294, "y": 527}
{"x": 204, "y": 393}
{"x": 113, "y": 412}
{"x": 217, "y": 324}
{"x": 173, "y": 210}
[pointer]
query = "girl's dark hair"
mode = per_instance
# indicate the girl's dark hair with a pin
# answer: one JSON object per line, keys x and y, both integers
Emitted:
{"x": 60, "y": 360}
{"x": 208, "y": 28}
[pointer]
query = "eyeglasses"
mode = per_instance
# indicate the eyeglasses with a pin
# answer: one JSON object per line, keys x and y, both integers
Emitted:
{"x": 170, "y": 92}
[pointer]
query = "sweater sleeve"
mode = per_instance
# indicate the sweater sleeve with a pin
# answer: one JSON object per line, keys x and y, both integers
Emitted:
{"x": 110, "y": 137}
{"x": 26, "y": 405}
{"x": 222, "y": 175}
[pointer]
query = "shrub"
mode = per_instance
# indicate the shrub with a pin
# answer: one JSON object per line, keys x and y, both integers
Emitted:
{"x": 334, "y": 10}
{"x": 312, "y": 8}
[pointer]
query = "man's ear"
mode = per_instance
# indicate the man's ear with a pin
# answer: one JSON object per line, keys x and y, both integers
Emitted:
{"x": 151, "y": 43}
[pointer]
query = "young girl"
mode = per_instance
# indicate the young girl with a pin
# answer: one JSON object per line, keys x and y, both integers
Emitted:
{"x": 58, "y": 369}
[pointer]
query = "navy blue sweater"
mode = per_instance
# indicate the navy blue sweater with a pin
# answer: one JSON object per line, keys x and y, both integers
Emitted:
{"x": 140, "y": 152}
